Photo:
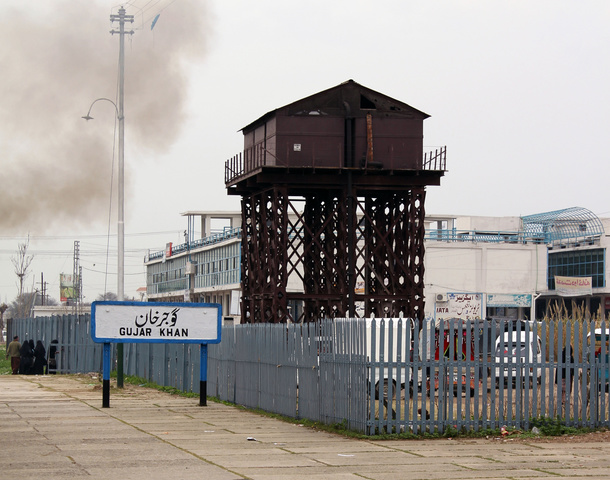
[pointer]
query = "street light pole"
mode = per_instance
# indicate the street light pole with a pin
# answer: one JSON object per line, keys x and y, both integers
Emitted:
{"x": 121, "y": 224}
{"x": 121, "y": 18}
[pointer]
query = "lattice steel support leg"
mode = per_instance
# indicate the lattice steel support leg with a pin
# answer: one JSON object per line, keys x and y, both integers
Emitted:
{"x": 393, "y": 253}
{"x": 264, "y": 245}
{"x": 325, "y": 255}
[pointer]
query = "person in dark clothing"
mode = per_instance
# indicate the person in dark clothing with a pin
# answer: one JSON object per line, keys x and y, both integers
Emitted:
{"x": 27, "y": 359}
{"x": 52, "y": 367}
{"x": 564, "y": 374}
{"x": 40, "y": 361}
{"x": 13, "y": 351}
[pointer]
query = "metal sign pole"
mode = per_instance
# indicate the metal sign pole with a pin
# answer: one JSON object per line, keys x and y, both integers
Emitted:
{"x": 203, "y": 376}
{"x": 106, "y": 377}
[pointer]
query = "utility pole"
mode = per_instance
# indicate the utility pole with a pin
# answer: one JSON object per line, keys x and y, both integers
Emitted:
{"x": 76, "y": 279}
{"x": 43, "y": 289}
{"x": 122, "y": 18}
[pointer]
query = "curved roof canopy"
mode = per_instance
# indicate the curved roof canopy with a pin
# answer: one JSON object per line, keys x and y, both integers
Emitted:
{"x": 569, "y": 224}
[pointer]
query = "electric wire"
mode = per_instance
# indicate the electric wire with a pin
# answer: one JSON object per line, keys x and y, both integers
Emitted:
{"x": 145, "y": 17}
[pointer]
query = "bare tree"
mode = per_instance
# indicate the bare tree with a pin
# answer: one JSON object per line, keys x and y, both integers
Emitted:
{"x": 108, "y": 296}
{"x": 22, "y": 267}
{"x": 52, "y": 302}
{"x": 3, "y": 308}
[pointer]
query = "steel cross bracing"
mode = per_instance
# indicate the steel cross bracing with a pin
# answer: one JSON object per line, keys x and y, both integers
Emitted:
{"x": 390, "y": 253}
{"x": 324, "y": 256}
{"x": 264, "y": 240}
{"x": 381, "y": 254}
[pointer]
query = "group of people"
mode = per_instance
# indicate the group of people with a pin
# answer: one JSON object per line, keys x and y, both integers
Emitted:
{"x": 31, "y": 359}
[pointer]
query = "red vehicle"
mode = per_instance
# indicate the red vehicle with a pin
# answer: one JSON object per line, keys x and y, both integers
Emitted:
{"x": 456, "y": 350}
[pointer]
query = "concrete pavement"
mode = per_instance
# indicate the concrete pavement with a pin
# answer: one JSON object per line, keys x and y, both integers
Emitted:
{"x": 53, "y": 427}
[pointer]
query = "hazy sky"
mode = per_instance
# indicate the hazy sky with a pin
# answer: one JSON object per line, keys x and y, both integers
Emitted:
{"x": 517, "y": 91}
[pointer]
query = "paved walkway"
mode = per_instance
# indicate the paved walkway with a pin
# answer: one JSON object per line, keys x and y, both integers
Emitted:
{"x": 53, "y": 427}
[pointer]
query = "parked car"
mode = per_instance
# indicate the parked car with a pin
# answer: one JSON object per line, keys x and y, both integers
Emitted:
{"x": 601, "y": 337}
{"x": 517, "y": 347}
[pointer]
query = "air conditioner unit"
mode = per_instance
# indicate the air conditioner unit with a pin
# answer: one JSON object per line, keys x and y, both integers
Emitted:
{"x": 441, "y": 297}
{"x": 190, "y": 268}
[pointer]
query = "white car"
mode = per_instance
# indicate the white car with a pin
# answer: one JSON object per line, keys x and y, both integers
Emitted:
{"x": 514, "y": 348}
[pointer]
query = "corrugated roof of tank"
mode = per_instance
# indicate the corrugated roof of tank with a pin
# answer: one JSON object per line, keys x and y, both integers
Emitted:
{"x": 338, "y": 99}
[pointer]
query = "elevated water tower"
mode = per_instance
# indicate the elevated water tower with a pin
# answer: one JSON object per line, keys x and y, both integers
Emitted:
{"x": 333, "y": 192}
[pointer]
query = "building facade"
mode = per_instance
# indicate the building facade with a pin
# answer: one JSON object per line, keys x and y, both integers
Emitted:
{"x": 510, "y": 266}
{"x": 206, "y": 269}
{"x": 474, "y": 267}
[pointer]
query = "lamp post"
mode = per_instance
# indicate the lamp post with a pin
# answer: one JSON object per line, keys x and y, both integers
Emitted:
{"x": 122, "y": 18}
{"x": 121, "y": 221}
{"x": 121, "y": 213}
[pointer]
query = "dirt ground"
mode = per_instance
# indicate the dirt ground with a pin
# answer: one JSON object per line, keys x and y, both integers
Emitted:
{"x": 593, "y": 437}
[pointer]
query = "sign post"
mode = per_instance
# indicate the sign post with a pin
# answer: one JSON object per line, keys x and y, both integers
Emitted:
{"x": 147, "y": 322}
{"x": 203, "y": 375}
{"x": 106, "y": 377}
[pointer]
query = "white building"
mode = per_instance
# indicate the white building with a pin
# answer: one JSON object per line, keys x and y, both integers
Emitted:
{"x": 507, "y": 266}
{"x": 475, "y": 267}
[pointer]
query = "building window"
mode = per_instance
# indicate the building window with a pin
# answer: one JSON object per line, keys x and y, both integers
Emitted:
{"x": 578, "y": 263}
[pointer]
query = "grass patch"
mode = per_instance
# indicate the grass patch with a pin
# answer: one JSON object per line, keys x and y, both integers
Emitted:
{"x": 554, "y": 427}
{"x": 142, "y": 382}
{"x": 547, "y": 426}
{"x": 5, "y": 363}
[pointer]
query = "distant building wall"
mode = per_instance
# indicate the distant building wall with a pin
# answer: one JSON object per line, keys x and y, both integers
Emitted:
{"x": 486, "y": 256}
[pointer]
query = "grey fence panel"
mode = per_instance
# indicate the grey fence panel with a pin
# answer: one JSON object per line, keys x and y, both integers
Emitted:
{"x": 129, "y": 358}
{"x": 228, "y": 370}
{"x": 387, "y": 375}
{"x": 342, "y": 372}
{"x": 598, "y": 389}
{"x": 213, "y": 372}
{"x": 269, "y": 364}
{"x": 215, "y": 364}
{"x": 159, "y": 367}
{"x": 196, "y": 367}
{"x": 247, "y": 366}
{"x": 143, "y": 360}
{"x": 508, "y": 386}
{"x": 308, "y": 370}
{"x": 355, "y": 386}
{"x": 283, "y": 370}
{"x": 287, "y": 386}
{"x": 187, "y": 373}
{"x": 327, "y": 373}
{"x": 221, "y": 366}
{"x": 170, "y": 379}
{"x": 76, "y": 353}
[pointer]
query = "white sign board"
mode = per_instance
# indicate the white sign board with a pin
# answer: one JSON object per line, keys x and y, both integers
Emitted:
{"x": 573, "y": 286}
{"x": 465, "y": 306}
{"x": 148, "y": 322}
